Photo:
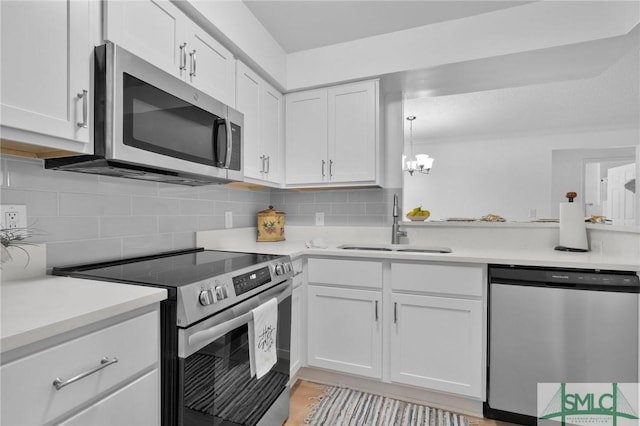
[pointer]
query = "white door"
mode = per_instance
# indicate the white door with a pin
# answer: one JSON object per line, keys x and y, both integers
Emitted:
{"x": 621, "y": 200}
{"x": 352, "y": 134}
{"x": 272, "y": 119}
{"x": 306, "y": 137}
{"x": 151, "y": 29}
{"x": 436, "y": 343}
{"x": 211, "y": 67}
{"x": 248, "y": 103}
{"x": 46, "y": 51}
{"x": 345, "y": 330}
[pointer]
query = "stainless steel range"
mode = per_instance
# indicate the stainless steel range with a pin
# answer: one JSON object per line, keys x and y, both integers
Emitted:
{"x": 205, "y": 342}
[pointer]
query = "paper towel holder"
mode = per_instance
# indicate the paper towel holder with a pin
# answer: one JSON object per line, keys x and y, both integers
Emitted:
{"x": 570, "y": 196}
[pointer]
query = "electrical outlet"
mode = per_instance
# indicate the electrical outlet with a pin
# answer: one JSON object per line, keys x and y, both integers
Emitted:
{"x": 13, "y": 216}
{"x": 532, "y": 213}
{"x": 228, "y": 219}
{"x": 319, "y": 218}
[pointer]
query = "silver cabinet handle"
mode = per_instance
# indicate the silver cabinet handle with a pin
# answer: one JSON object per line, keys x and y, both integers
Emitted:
{"x": 183, "y": 56}
{"x": 262, "y": 158}
{"x": 330, "y": 168}
{"x": 192, "y": 60}
{"x": 395, "y": 312}
{"x": 268, "y": 164}
{"x": 84, "y": 96}
{"x": 323, "y": 162}
{"x": 376, "y": 311}
{"x": 58, "y": 383}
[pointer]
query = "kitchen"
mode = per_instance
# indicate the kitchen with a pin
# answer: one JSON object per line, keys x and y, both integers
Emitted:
{"x": 87, "y": 218}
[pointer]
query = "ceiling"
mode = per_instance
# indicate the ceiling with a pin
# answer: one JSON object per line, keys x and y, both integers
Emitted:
{"x": 306, "y": 24}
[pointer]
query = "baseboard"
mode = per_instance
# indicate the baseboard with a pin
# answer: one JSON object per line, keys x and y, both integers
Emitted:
{"x": 447, "y": 402}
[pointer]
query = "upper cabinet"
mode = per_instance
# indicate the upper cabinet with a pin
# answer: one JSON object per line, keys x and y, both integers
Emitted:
{"x": 163, "y": 35}
{"x": 263, "y": 109}
{"x": 332, "y": 136}
{"x": 46, "y": 93}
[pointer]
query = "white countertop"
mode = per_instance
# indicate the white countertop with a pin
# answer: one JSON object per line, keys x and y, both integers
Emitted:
{"x": 38, "y": 308}
{"x": 549, "y": 257}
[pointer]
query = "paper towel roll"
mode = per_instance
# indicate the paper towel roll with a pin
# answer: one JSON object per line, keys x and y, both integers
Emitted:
{"x": 573, "y": 231}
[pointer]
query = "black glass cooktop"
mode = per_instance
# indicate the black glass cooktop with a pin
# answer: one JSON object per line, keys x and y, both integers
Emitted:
{"x": 171, "y": 269}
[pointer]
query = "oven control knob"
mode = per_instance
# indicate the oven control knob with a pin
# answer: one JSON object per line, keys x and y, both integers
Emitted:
{"x": 287, "y": 267}
{"x": 221, "y": 292}
{"x": 207, "y": 297}
{"x": 279, "y": 269}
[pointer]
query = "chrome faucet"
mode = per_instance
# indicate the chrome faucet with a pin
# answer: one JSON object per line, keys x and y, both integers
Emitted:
{"x": 396, "y": 233}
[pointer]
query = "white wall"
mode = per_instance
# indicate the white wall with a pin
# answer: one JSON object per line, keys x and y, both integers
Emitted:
{"x": 536, "y": 25}
{"x": 504, "y": 176}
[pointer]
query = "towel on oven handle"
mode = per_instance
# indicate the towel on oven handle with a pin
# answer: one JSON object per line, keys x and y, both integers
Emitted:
{"x": 262, "y": 338}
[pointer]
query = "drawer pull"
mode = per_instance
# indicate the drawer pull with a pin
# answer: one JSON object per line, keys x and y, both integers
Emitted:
{"x": 58, "y": 383}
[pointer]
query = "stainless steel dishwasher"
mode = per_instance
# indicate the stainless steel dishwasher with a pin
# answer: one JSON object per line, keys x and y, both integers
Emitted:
{"x": 557, "y": 326}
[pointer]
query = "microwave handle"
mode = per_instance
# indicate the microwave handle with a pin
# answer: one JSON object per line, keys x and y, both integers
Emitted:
{"x": 213, "y": 333}
{"x": 227, "y": 161}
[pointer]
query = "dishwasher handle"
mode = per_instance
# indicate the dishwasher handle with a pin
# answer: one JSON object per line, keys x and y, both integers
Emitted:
{"x": 613, "y": 281}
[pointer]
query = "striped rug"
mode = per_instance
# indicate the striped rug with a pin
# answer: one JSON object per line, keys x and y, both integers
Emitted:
{"x": 346, "y": 407}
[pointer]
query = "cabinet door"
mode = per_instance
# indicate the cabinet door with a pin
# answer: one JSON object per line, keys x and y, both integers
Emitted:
{"x": 296, "y": 318}
{"x": 151, "y": 29}
{"x": 248, "y": 103}
{"x": 137, "y": 404}
{"x": 272, "y": 132}
{"x": 345, "y": 331}
{"x": 46, "y": 51}
{"x": 211, "y": 67}
{"x": 436, "y": 343}
{"x": 352, "y": 143}
{"x": 306, "y": 137}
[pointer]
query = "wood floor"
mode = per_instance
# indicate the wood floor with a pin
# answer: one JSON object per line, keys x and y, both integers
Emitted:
{"x": 303, "y": 394}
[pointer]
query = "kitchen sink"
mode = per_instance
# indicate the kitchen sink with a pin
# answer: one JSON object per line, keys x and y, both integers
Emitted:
{"x": 406, "y": 248}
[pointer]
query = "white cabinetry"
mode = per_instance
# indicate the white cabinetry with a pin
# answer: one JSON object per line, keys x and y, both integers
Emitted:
{"x": 298, "y": 319}
{"x": 345, "y": 324}
{"x": 122, "y": 386}
{"x": 431, "y": 316}
{"x": 159, "y": 32}
{"x": 263, "y": 109}
{"x": 436, "y": 339}
{"x": 332, "y": 136}
{"x": 45, "y": 53}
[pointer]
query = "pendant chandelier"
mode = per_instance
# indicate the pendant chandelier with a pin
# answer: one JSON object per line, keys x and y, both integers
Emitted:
{"x": 420, "y": 163}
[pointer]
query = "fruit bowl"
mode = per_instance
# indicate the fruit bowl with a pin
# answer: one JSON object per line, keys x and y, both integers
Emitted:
{"x": 418, "y": 217}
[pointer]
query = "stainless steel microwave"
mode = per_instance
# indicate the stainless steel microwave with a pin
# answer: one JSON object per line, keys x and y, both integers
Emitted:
{"x": 151, "y": 125}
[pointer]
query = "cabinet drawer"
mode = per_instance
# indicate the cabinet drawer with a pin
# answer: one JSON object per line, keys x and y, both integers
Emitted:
{"x": 356, "y": 273}
{"x": 137, "y": 404}
{"x": 28, "y": 394}
{"x": 442, "y": 279}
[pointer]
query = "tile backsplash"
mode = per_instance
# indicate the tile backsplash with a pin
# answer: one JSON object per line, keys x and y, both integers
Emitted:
{"x": 341, "y": 207}
{"x": 85, "y": 218}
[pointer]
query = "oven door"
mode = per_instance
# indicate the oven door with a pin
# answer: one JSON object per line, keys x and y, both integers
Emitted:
{"x": 215, "y": 384}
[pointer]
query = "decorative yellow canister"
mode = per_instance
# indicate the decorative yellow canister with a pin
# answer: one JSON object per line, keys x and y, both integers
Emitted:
{"x": 270, "y": 225}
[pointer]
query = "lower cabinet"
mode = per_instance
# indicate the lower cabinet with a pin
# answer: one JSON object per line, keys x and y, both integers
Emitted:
{"x": 436, "y": 343}
{"x": 345, "y": 330}
{"x": 108, "y": 376}
{"x": 431, "y": 315}
{"x": 127, "y": 406}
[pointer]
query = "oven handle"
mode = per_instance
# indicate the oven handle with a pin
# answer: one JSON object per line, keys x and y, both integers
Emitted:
{"x": 213, "y": 333}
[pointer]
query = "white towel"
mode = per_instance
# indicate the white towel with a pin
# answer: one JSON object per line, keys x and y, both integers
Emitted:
{"x": 262, "y": 338}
